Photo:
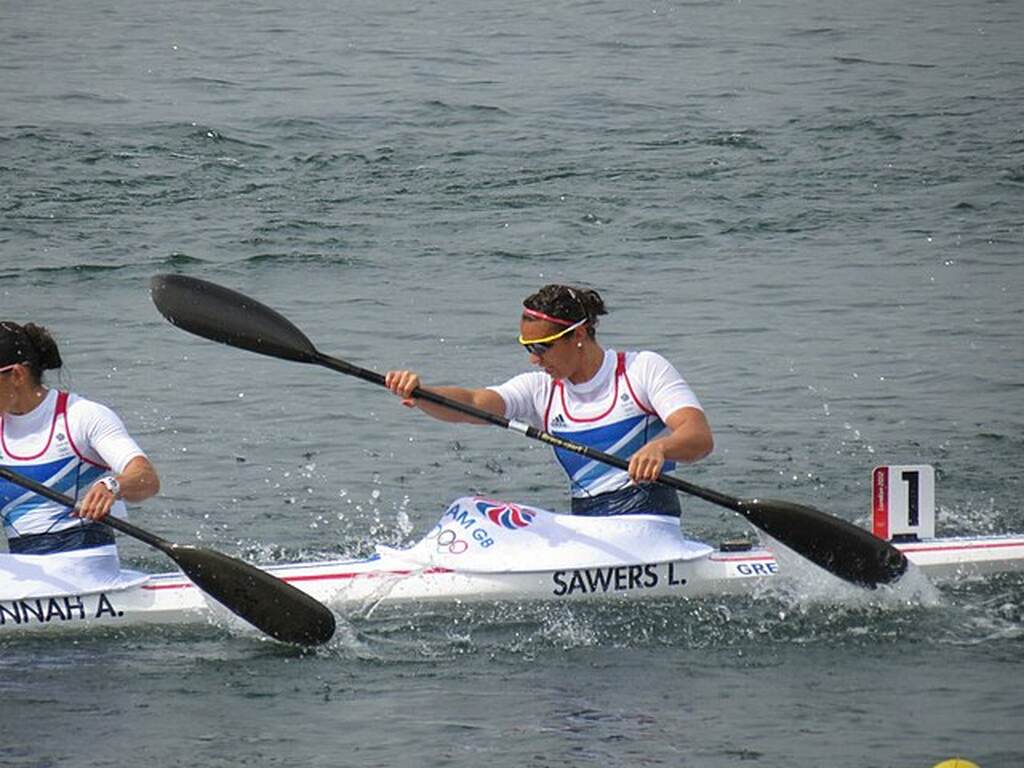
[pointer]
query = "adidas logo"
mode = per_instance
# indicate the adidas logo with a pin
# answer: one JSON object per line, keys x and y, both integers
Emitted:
{"x": 558, "y": 421}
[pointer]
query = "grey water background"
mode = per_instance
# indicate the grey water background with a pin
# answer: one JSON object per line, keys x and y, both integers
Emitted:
{"x": 814, "y": 209}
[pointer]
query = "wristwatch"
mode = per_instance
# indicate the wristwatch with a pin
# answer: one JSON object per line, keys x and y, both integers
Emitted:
{"x": 111, "y": 484}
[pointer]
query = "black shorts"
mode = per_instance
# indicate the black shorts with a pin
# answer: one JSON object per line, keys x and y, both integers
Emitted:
{"x": 80, "y": 537}
{"x": 647, "y": 499}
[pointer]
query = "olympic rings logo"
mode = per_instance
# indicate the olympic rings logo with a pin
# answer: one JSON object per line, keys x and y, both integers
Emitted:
{"x": 448, "y": 541}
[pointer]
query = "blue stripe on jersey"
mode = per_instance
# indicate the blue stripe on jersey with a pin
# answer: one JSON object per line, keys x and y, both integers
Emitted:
{"x": 87, "y": 475}
{"x": 32, "y": 503}
{"x": 600, "y": 469}
{"x": 611, "y": 438}
{"x": 602, "y": 438}
{"x": 57, "y": 513}
{"x": 41, "y": 473}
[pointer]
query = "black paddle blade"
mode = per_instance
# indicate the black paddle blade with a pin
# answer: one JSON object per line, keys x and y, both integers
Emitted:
{"x": 220, "y": 314}
{"x": 844, "y": 549}
{"x": 282, "y": 611}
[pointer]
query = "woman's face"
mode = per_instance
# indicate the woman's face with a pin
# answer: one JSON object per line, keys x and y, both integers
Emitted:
{"x": 558, "y": 356}
{"x": 9, "y": 386}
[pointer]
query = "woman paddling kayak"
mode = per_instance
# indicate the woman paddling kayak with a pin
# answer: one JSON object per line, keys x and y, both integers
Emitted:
{"x": 67, "y": 442}
{"x": 634, "y": 405}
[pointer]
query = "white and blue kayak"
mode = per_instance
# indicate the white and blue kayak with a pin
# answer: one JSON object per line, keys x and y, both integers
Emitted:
{"x": 491, "y": 551}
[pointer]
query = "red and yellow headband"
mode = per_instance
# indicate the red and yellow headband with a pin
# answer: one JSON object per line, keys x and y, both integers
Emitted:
{"x": 536, "y": 314}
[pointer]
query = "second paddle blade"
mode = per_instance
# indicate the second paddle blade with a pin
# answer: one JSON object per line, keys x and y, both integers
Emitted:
{"x": 282, "y": 611}
{"x": 220, "y": 314}
{"x": 849, "y": 552}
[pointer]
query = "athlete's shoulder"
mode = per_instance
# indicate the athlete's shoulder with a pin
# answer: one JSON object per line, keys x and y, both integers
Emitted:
{"x": 81, "y": 403}
{"x": 528, "y": 380}
{"x": 646, "y": 354}
{"x": 82, "y": 408}
{"x": 646, "y": 358}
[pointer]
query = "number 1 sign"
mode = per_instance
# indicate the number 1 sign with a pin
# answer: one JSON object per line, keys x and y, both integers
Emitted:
{"x": 903, "y": 502}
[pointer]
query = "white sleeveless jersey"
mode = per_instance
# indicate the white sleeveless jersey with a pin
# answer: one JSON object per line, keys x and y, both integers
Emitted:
{"x": 619, "y": 410}
{"x": 67, "y": 443}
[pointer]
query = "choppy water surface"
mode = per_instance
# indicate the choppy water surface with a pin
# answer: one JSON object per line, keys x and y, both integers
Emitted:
{"x": 814, "y": 210}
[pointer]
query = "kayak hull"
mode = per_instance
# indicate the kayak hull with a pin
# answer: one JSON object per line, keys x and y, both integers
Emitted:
{"x": 349, "y": 586}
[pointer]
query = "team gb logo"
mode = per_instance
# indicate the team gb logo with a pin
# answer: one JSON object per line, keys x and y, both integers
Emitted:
{"x": 506, "y": 515}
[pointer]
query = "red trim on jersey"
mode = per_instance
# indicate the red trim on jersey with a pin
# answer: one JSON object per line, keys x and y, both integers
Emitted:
{"x": 53, "y": 425}
{"x": 62, "y": 407}
{"x": 551, "y": 399}
{"x": 611, "y": 407}
{"x": 620, "y": 371}
{"x": 629, "y": 385}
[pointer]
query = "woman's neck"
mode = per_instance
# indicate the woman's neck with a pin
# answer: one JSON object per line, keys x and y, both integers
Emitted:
{"x": 28, "y": 400}
{"x": 591, "y": 360}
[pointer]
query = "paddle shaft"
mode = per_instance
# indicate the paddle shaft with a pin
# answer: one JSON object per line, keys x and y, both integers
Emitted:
{"x": 373, "y": 377}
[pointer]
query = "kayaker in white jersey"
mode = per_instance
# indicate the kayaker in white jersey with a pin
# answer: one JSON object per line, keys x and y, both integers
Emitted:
{"x": 75, "y": 446}
{"x": 634, "y": 405}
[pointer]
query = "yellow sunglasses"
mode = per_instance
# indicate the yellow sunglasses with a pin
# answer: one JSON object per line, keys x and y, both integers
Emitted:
{"x": 539, "y": 346}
